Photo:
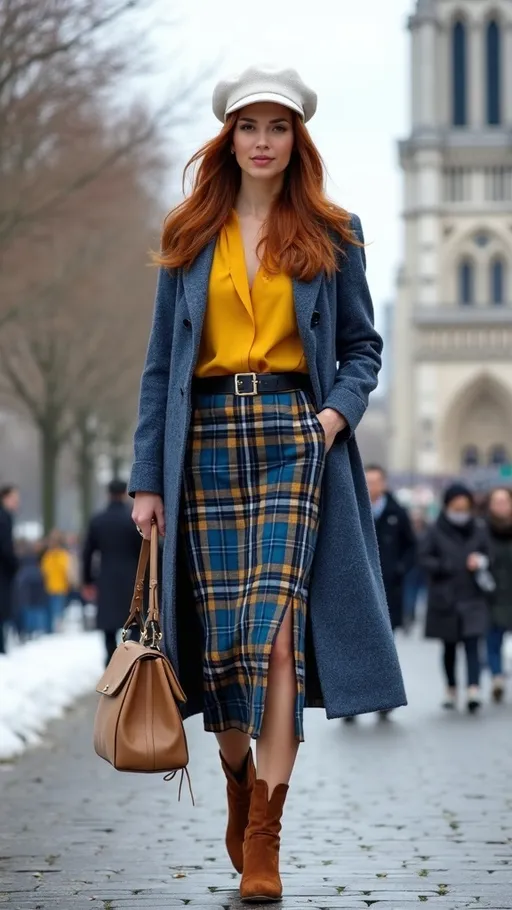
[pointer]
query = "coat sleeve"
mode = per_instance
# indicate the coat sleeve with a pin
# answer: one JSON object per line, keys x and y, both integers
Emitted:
{"x": 358, "y": 344}
{"x": 431, "y": 558}
{"x": 147, "y": 469}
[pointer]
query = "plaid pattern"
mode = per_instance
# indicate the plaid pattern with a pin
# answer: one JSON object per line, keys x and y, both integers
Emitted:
{"x": 252, "y": 484}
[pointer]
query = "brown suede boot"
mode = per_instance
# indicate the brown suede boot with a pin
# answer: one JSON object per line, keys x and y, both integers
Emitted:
{"x": 261, "y": 881}
{"x": 239, "y": 800}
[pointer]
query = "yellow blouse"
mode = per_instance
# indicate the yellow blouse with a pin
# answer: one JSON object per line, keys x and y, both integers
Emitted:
{"x": 247, "y": 330}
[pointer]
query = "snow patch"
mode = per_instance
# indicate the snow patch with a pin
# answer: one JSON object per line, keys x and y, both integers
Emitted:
{"x": 42, "y": 678}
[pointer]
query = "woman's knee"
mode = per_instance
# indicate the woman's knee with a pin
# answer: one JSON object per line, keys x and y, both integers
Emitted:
{"x": 282, "y": 653}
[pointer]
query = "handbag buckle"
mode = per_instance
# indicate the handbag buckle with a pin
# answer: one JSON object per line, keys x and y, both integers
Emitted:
{"x": 239, "y": 384}
{"x": 154, "y": 633}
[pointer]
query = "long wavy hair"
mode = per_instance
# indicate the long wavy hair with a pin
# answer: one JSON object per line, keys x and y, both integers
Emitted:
{"x": 303, "y": 232}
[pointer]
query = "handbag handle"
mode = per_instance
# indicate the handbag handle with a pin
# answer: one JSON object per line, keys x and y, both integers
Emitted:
{"x": 150, "y": 628}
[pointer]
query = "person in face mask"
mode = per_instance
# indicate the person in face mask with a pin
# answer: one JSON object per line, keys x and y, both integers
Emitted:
{"x": 454, "y": 553}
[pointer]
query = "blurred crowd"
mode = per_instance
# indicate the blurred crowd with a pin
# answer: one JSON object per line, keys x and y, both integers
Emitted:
{"x": 451, "y": 577}
{"x": 40, "y": 579}
{"x": 459, "y": 569}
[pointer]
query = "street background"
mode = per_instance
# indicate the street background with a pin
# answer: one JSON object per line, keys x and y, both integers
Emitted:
{"x": 381, "y": 814}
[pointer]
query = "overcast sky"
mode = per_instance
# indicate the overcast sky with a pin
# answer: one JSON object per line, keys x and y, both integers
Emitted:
{"x": 355, "y": 54}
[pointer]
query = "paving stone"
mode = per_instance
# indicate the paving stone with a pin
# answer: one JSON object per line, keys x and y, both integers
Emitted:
{"x": 378, "y": 815}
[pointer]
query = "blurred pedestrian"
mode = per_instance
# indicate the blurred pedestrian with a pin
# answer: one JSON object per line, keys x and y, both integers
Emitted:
{"x": 415, "y": 582}
{"x": 454, "y": 551}
{"x": 500, "y": 526}
{"x": 396, "y": 539}
{"x": 56, "y": 569}
{"x": 260, "y": 362}
{"x": 110, "y": 557}
{"x": 9, "y": 505}
{"x": 29, "y": 592}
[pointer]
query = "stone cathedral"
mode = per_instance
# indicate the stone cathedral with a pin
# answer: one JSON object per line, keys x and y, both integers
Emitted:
{"x": 451, "y": 354}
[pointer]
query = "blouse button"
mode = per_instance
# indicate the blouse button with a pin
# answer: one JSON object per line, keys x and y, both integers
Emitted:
{"x": 187, "y": 323}
{"x": 315, "y": 319}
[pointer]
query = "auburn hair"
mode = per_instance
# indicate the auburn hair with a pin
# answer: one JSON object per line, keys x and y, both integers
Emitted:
{"x": 303, "y": 232}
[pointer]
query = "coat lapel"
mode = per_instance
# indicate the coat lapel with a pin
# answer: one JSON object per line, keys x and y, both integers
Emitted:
{"x": 195, "y": 284}
{"x": 305, "y": 296}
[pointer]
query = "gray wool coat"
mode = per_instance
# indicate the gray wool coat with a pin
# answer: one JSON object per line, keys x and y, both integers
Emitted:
{"x": 351, "y": 661}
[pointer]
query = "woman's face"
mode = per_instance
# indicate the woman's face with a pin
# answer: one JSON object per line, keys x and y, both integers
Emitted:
{"x": 263, "y": 140}
{"x": 500, "y": 504}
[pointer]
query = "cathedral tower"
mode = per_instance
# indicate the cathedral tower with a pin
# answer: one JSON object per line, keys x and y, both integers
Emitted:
{"x": 451, "y": 370}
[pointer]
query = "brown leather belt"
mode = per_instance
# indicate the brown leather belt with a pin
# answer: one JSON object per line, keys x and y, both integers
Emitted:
{"x": 250, "y": 384}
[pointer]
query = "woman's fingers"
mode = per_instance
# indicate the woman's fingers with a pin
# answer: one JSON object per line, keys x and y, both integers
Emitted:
{"x": 146, "y": 511}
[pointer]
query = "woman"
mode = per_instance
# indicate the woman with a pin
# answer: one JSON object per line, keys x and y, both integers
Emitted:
{"x": 245, "y": 455}
{"x": 500, "y": 527}
{"x": 453, "y": 551}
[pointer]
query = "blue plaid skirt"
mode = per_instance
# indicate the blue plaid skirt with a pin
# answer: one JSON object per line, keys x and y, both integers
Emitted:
{"x": 252, "y": 484}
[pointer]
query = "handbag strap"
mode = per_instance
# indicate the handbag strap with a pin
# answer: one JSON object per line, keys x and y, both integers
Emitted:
{"x": 151, "y": 626}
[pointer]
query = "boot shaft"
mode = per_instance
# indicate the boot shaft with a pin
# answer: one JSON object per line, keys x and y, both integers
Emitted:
{"x": 265, "y": 814}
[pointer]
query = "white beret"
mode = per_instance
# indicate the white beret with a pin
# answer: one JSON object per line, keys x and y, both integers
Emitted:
{"x": 260, "y": 84}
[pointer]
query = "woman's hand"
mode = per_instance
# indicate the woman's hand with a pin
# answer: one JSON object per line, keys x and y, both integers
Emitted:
{"x": 148, "y": 508}
{"x": 333, "y": 423}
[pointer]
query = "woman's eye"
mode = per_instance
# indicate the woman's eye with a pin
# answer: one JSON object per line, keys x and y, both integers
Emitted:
{"x": 246, "y": 126}
{"x": 280, "y": 129}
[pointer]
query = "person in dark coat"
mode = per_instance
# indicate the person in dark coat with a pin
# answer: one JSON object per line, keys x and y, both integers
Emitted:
{"x": 454, "y": 552}
{"x": 9, "y": 504}
{"x": 110, "y": 557}
{"x": 29, "y": 593}
{"x": 500, "y": 527}
{"x": 396, "y": 540}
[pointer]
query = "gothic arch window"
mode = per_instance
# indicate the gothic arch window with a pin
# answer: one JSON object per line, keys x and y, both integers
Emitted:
{"x": 466, "y": 282}
{"x": 470, "y": 457}
{"x": 459, "y": 73}
{"x": 498, "y": 455}
{"x": 498, "y": 279}
{"x": 493, "y": 67}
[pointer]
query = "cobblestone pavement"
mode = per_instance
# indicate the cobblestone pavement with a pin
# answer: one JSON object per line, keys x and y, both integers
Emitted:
{"x": 415, "y": 810}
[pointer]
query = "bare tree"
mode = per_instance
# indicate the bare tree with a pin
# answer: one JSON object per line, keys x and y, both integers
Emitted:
{"x": 78, "y": 332}
{"x": 57, "y": 57}
{"x": 77, "y": 175}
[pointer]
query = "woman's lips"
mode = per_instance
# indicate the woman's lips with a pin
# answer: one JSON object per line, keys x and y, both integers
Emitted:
{"x": 260, "y": 161}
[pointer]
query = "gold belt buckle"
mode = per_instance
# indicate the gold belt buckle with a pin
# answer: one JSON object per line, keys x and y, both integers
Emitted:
{"x": 239, "y": 378}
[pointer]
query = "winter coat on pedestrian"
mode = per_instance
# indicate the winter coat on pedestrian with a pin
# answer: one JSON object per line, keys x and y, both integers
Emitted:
{"x": 30, "y": 599}
{"x": 351, "y": 662}
{"x": 397, "y": 548}
{"x": 29, "y": 586}
{"x": 501, "y": 548}
{"x": 457, "y": 608}
{"x": 8, "y": 564}
{"x": 110, "y": 557}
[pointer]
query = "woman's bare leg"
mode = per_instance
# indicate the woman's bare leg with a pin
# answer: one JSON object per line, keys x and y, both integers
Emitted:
{"x": 234, "y": 746}
{"x": 277, "y": 745}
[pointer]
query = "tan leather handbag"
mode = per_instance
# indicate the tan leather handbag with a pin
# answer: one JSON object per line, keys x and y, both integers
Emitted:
{"x": 138, "y": 725}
